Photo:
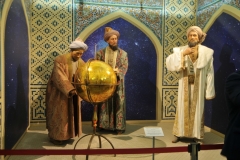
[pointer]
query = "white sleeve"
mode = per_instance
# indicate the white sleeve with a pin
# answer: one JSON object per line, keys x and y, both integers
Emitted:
{"x": 173, "y": 61}
{"x": 210, "y": 89}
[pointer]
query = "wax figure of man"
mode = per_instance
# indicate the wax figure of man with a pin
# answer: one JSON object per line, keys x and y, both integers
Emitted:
{"x": 231, "y": 147}
{"x": 112, "y": 113}
{"x": 194, "y": 62}
{"x": 63, "y": 108}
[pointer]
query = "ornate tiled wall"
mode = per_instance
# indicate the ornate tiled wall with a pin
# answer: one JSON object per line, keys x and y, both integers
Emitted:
{"x": 149, "y": 14}
{"x": 51, "y": 33}
{"x": 169, "y": 103}
{"x": 206, "y": 8}
{"x": 149, "y": 3}
{"x": 179, "y": 15}
{"x": 1, "y": 5}
{"x": 27, "y": 4}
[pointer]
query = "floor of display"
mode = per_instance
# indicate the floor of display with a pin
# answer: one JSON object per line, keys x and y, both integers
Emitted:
{"x": 134, "y": 137}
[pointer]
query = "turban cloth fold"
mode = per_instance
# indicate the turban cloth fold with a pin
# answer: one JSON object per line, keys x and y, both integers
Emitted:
{"x": 110, "y": 32}
{"x": 77, "y": 44}
{"x": 201, "y": 34}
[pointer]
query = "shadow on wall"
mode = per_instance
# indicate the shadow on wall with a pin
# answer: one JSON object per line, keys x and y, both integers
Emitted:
{"x": 16, "y": 74}
{"x": 16, "y": 116}
{"x": 223, "y": 39}
{"x": 221, "y": 74}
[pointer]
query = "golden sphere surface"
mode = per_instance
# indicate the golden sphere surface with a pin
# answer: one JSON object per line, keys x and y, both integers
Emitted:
{"x": 95, "y": 81}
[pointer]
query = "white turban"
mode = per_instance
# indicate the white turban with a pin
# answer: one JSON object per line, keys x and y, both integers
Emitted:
{"x": 77, "y": 44}
{"x": 201, "y": 34}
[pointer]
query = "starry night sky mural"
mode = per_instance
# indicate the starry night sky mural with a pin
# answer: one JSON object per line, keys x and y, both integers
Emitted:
{"x": 140, "y": 80}
{"x": 224, "y": 39}
{"x": 16, "y": 74}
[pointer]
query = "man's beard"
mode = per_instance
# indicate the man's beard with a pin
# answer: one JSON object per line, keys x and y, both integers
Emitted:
{"x": 192, "y": 44}
{"x": 114, "y": 48}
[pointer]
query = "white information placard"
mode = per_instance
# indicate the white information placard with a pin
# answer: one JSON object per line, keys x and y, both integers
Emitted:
{"x": 153, "y": 131}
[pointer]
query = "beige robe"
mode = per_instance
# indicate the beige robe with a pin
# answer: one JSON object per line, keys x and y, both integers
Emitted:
{"x": 189, "y": 120}
{"x": 60, "y": 110}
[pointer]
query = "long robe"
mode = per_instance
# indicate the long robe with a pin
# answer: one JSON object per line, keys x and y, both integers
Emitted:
{"x": 189, "y": 119}
{"x": 112, "y": 113}
{"x": 63, "y": 114}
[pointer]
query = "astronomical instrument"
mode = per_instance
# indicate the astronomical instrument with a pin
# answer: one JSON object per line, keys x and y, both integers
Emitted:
{"x": 95, "y": 82}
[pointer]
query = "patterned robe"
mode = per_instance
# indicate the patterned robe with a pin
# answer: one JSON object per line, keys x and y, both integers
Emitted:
{"x": 189, "y": 120}
{"x": 63, "y": 114}
{"x": 112, "y": 113}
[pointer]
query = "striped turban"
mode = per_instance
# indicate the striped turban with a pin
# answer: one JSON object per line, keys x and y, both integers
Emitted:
{"x": 109, "y": 32}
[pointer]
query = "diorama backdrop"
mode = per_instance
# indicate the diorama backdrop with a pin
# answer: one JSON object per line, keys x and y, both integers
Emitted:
{"x": 34, "y": 32}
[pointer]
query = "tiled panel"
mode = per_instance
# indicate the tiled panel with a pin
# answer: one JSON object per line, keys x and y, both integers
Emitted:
{"x": 206, "y": 9}
{"x": 38, "y": 103}
{"x": 51, "y": 34}
{"x": 87, "y": 14}
{"x": 169, "y": 105}
{"x": 179, "y": 15}
{"x": 155, "y": 3}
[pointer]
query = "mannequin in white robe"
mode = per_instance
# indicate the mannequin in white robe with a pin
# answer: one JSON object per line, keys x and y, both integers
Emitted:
{"x": 189, "y": 120}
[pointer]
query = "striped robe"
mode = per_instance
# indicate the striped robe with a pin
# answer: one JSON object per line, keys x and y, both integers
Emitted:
{"x": 112, "y": 113}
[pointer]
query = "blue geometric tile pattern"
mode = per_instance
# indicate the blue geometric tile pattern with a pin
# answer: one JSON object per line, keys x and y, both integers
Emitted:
{"x": 169, "y": 103}
{"x": 27, "y": 4}
{"x": 38, "y": 104}
{"x": 124, "y": 2}
{"x": 151, "y": 16}
{"x": 51, "y": 34}
{"x": 1, "y": 5}
{"x": 206, "y": 8}
{"x": 179, "y": 15}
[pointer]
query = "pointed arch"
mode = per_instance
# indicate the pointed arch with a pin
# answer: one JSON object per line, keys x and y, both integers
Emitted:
{"x": 226, "y": 9}
{"x": 158, "y": 46}
{"x": 3, "y": 18}
{"x": 119, "y": 14}
{"x": 9, "y": 28}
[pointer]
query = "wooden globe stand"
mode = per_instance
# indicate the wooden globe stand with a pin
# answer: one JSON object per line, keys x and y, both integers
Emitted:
{"x": 94, "y": 120}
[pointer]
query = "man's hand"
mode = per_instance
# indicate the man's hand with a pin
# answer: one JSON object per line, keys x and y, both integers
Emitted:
{"x": 72, "y": 93}
{"x": 116, "y": 70}
{"x": 189, "y": 51}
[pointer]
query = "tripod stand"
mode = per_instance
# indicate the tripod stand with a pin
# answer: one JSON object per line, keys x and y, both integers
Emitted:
{"x": 94, "y": 120}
